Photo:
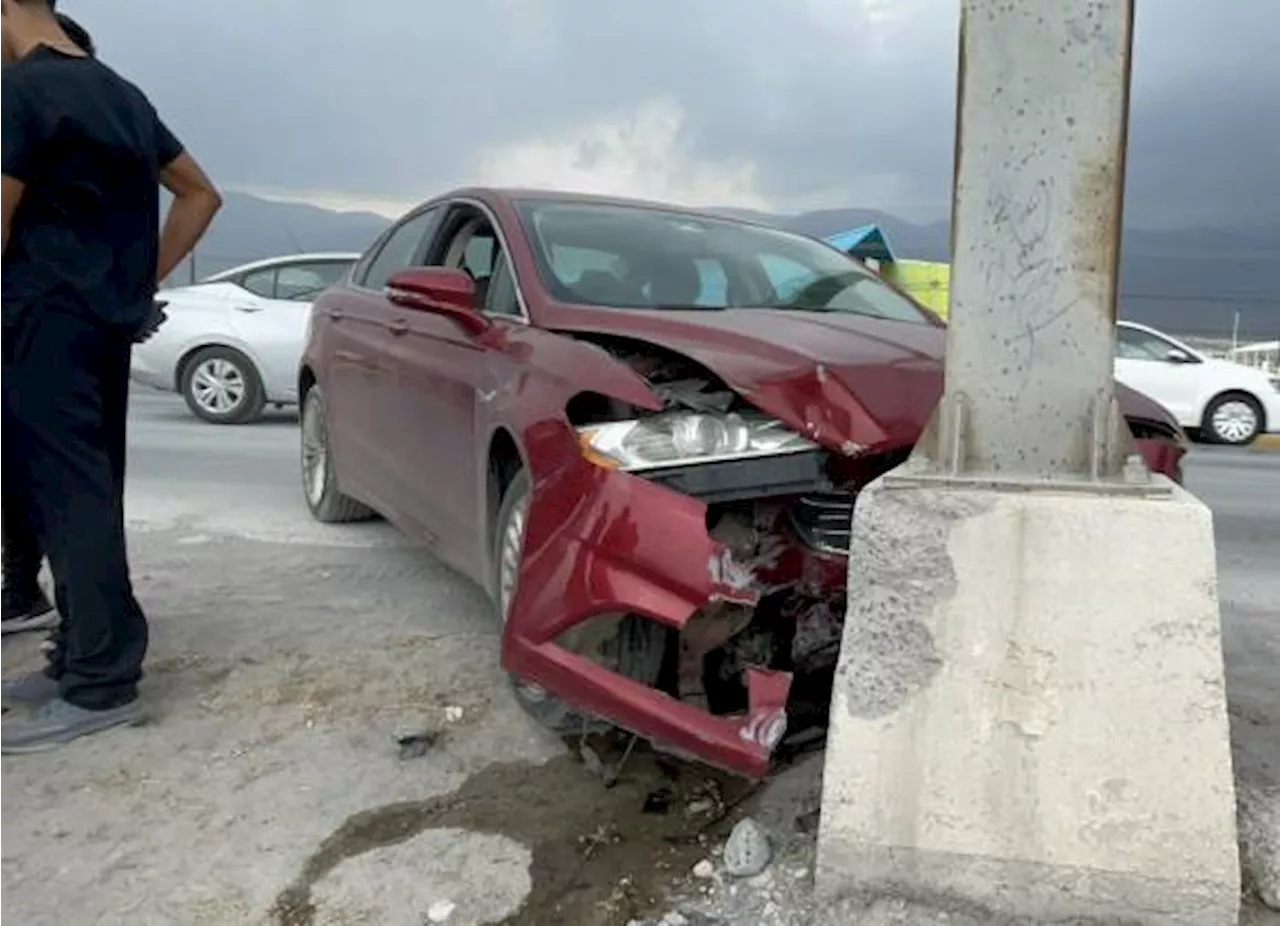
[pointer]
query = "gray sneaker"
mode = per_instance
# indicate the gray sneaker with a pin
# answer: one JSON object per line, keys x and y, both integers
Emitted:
{"x": 28, "y": 614}
{"x": 57, "y": 722}
{"x": 30, "y": 690}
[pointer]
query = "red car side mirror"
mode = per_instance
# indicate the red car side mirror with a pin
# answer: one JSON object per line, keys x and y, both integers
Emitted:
{"x": 442, "y": 291}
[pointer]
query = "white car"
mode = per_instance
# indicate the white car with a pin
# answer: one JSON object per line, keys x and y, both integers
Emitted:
{"x": 1227, "y": 403}
{"x": 232, "y": 342}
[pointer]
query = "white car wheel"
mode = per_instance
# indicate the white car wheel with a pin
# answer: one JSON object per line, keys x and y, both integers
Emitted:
{"x": 1234, "y": 419}
{"x": 222, "y": 386}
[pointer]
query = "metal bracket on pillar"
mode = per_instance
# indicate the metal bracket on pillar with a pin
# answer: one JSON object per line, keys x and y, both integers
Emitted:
{"x": 1111, "y": 450}
{"x": 952, "y": 425}
{"x": 1114, "y": 464}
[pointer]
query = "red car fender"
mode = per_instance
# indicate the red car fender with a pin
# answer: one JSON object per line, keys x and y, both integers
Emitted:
{"x": 555, "y": 368}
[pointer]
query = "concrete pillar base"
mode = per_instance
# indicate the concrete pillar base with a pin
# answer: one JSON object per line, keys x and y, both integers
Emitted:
{"x": 1029, "y": 717}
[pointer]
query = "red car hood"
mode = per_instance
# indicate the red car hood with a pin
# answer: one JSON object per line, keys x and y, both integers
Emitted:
{"x": 841, "y": 379}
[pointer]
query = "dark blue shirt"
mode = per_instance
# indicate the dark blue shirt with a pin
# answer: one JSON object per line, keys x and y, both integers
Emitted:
{"x": 89, "y": 148}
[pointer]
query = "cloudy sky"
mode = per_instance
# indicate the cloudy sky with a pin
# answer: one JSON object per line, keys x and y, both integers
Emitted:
{"x": 779, "y": 104}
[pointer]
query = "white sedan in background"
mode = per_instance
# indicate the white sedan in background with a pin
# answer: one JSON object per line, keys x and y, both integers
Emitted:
{"x": 232, "y": 342}
{"x": 1227, "y": 403}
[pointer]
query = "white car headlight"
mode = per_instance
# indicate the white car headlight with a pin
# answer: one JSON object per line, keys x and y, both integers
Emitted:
{"x": 1275, "y": 383}
{"x": 684, "y": 438}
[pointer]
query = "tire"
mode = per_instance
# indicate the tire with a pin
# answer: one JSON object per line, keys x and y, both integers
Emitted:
{"x": 319, "y": 484}
{"x": 641, "y": 643}
{"x": 1233, "y": 418}
{"x": 222, "y": 386}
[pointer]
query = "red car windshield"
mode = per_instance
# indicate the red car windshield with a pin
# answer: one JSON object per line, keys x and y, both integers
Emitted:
{"x": 633, "y": 257}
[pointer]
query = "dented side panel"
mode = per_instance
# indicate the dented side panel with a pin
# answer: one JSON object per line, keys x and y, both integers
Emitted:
{"x": 600, "y": 541}
{"x": 604, "y": 542}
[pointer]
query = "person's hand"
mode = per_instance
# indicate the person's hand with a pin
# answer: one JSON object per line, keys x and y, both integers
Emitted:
{"x": 157, "y": 318}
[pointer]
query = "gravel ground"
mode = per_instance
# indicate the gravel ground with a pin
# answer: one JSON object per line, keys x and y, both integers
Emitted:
{"x": 269, "y": 786}
{"x": 278, "y": 676}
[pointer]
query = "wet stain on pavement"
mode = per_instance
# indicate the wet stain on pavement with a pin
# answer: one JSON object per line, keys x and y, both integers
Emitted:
{"x": 599, "y": 858}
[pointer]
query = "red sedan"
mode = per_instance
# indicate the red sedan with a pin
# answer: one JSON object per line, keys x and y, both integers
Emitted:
{"x": 642, "y": 429}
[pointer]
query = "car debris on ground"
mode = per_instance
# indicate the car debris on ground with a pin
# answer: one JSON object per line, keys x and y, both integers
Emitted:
{"x": 416, "y": 745}
{"x": 441, "y": 910}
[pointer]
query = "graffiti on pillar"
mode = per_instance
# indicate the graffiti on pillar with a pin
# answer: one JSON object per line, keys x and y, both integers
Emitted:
{"x": 1026, "y": 282}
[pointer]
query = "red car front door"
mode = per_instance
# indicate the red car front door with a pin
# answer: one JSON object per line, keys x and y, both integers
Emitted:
{"x": 444, "y": 376}
{"x": 438, "y": 372}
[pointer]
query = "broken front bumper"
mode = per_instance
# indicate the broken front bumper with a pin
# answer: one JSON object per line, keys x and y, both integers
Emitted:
{"x": 601, "y": 542}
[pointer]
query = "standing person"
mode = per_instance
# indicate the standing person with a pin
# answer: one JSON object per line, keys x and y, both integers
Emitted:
{"x": 24, "y": 606}
{"x": 23, "y": 603}
{"x": 84, "y": 155}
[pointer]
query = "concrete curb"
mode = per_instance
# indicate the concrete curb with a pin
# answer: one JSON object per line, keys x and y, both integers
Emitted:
{"x": 1266, "y": 442}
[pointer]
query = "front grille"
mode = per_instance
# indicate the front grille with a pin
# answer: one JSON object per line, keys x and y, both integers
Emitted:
{"x": 823, "y": 521}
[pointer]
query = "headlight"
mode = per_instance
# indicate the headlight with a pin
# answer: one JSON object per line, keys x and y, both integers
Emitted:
{"x": 683, "y": 438}
{"x": 1275, "y": 383}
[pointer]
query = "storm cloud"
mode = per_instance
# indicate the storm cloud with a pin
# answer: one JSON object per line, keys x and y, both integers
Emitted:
{"x": 777, "y": 104}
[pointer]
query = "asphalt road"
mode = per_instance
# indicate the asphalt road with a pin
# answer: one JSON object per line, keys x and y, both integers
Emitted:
{"x": 246, "y": 478}
{"x": 241, "y": 481}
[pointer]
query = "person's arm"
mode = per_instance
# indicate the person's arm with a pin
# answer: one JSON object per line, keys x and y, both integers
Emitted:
{"x": 21, "y": 143}
{"x": 195, "y": 202}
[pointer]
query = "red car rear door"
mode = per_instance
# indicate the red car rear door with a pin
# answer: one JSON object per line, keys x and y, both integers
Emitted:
{"x": 360, "y": 380}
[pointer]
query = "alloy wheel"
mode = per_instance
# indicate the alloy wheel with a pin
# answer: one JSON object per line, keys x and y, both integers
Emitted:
{"x": 1235, "y": 421}
{"x": 512, "y": 551}
{"x": 218, "y": 386}
{"x": 315, "y": 451}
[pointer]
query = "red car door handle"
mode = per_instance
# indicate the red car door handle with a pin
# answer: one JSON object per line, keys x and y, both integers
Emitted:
{"x": 335, "y": 314}
{"x": 399, "y": 326}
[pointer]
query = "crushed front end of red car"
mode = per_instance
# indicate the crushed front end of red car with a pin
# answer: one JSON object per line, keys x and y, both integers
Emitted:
{"x": 684, "y": 571}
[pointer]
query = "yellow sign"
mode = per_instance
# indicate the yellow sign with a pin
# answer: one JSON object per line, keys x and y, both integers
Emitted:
{"x": 928, "y": 281}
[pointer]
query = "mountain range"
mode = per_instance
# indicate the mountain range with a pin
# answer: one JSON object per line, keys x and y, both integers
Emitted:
{"x": 1195, "y": 282}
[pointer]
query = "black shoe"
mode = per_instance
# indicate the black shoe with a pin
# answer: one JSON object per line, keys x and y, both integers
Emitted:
{"x": 26, "y": 612}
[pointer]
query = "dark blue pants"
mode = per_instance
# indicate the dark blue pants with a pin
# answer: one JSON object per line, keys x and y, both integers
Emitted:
{"x": 22, "y": 552}
{"x": 66, "y": 398}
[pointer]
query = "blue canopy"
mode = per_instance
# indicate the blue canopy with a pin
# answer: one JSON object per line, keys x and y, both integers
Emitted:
{"x": 865, "y": 241}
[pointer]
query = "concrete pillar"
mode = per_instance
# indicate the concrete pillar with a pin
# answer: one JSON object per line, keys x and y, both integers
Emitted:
{"x": 1029, "y": 716}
